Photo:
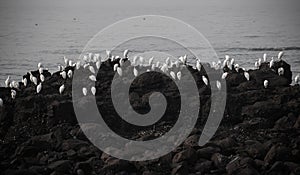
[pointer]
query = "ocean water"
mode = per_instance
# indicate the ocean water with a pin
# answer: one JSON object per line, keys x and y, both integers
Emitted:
{"x": 34, "y": 31}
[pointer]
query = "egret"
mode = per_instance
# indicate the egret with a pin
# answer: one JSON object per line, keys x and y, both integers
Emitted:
{"x": 63, "y": 74}
{"x": 13, "y": 94}
{"x": 135, "y": 72}
{"x": 198, "y": 65}
{"x": 24, "y": 81}
{"x": 179, "y": 75}
{"x": 224, "y": 75}
{"x": 1, "y": 102}
{"x": 7, "y": 81}
{"x": 280, "y": 71}
{"x": 119, "y": 71}
{"x": 297, "y": 79}
{"x": 84, "y": 91}
{"x": 92, "y": 77}
{"x": 205, "y": 80}
{"x": 61, "y": 89}
{"x": 219, "y": 85}
{"x": 115, "y": 67}
{"x": 93, "y": 90}
{"x": 247, "y": 76}
{"x": 266, "y": 83}
{"x": 173, "y": 75}
{"x": 265, "y": 57}
{"x": 91, "y": 68}
{"x": 125, "y": 54}
{"x": 39, "y": 88}
{"x": 42, "y": 77}
{"x": 280, "y": 54}
{"x": 70, "y": 73}
{"x": 98, "y": 64}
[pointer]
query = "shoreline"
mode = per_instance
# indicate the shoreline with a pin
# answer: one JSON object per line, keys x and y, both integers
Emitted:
{"x": 259, "y": 133}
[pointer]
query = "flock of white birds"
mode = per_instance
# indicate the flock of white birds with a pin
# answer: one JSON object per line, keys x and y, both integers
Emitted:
{"x": 91, "y": 59}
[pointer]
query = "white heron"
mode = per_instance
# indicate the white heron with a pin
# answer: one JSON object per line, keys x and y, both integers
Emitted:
{"x": 266, "y": 83}
{"x": 179, "y": 75}
{"x": 247, "y": 76}
{"x": 224, "y": 75}
{"x": 219, "y": 85}
{"x": 93, "y": 90}
{"x": 173, "y": 75}
{"x": 91, "y": 68}
{"x": 280, "y": 54}
{"x": 84, "y": 91}
{"x": 63, "y": 74}
{"x": 42, "y": 77}
{"x": 24, "y": 81}
{"x": 119, "y": 71}
{"x": 13, "y": 94}
{"x": 297, "y": 79}
{"x": 205, "y": 80}
{"x": 135, "y": 72}
{"x": 265, "y": 57}
{"x": 198, "y": 65}
{"x": 280, "y": 71}
{"x": 39, "y": 88}
{"x": 1, "y": 102}
{"x": 92, "y": 77}
{"x": 70, "y": 73}
{"x": 98, "y": 64}
{"x": 61, "y": 89}
{"x": 115, "y": 67}
{"x": 7, "y": 81}
{"x": 125, "y": 53}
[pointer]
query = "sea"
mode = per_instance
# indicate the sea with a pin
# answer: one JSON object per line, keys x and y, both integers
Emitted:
{"x": 33, "y": 31}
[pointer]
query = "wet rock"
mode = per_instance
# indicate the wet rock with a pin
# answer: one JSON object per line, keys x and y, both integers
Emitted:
{"x": 207, "y": 152}
{"x": 186, "y": 155}
{"x": 277, "y": 153}
{"x": 219, "y": 160}
{"x": 63, "y": 166}
{"x": 241, "y": 166}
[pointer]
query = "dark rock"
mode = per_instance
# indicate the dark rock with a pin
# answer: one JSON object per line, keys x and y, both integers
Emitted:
{"x": 277, "y": 153}
{"x": 207, "y": 152}
{"x": 186, "y": 155}
{"x": 63, "y": 166}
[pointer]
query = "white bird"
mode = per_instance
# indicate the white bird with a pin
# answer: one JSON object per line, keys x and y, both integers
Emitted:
{"x": 61, "y": 89}
{"x": 141, "y": 60}
{"x": 164, "y": 68}
{"x": 135, "y": 72}
{"x": 121, "y": 62}
{"x": 265, "y": 57}
{"x": 259, "y": 62}
{"x": 84, "y": 91}
{"x": 198, "y": 65}
{"x": 42, "y": 77}
{"x": 92, "y": 77}
{"x": 297, "y": 79}
{"x": 91, "y": 68}
{"x": 1, "y": 102}
{"x": 168, "y": 61}
{"x": 119, "y": 71}
{"x": 219, "y": 85}
{"x": 247, "y": 76}
{"x": 90, "y": 56}
{"x": 232, "y": 61}
{"x": 108, "y": 53}
{"x": 153, "y": 67}
{"x": 39, "y": 88}
{"x": 157, "y": 64}
{"x": 66, "y": 60}
{"x": 60, "y": 67}
{"x": 71, "y": 63}
{"x": 13, "y": 94}
{"x": 85, "y": 58}
{"x": 280, "y": 71}
{"x": 63, "y": 74}
{"x": 78, "y": 64}
{"x": 179, "y": 75}
{"x": 224, "y": 75}
{"x": 272, "y": 63}
{"x": 34, "y": 80}
{"x": 177, "y": 64}
{"x": 183, "y": 59}
{"x": 96, "y": 57}
{"x": 70, "y": 73}
{"x": 24, "y": 81}
{"x": 150, "y": 61}
{"x": 39, "y": 65}
{"x": 125, "y": 54}
{"x": 256, "y": 64}
{"x": 115, "y": 67}
{"x": 98, "y": 64}
{"x": 266, "y": 83}
{"x": 280, "y": 54}
{"x": 237, "y": 67}
{"x": 41, "y": 70}
{"x": 205, "y": 80}
{"x": 93, "y": 90}
{"x": 173, "y": 75}
{"x": 7, "y": 81}
{"x": 85, "y": 65}
{"x": 134, "y": 60}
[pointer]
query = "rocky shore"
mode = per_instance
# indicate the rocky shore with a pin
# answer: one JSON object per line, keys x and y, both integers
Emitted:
{"x": 259, "y": 134}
